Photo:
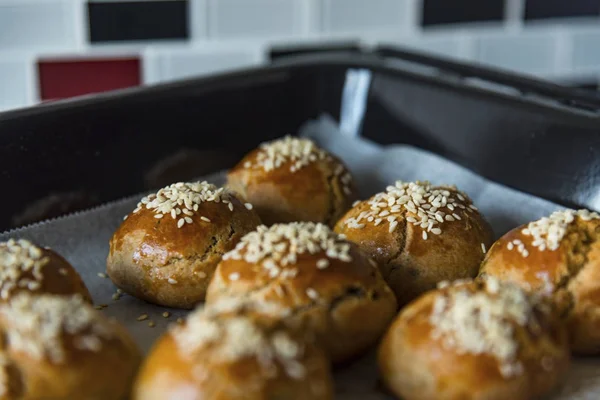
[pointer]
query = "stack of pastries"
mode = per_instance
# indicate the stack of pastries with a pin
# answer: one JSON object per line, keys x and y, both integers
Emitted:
{"x": 290, "y": 277}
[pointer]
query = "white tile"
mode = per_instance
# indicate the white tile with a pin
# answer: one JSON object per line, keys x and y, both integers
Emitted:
{"x": 14, "y": 84}
{"x": 527, "y": 53}
{"x": 198, "y": 19}
{"x": 255, "y": 18}
{"x": 168, "y": 65}
{"x": 586, "y": 50}
{"x": 39, "y": 24}
{"x": 358, "y": 15}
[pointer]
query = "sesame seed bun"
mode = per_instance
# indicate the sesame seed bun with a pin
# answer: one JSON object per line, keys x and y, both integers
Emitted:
{"x": 560, "y": 256}
{"x": 444, "y": 237}
{"x": 25, "y": 267}
{"x": 292, "y": 180}
{"x": 59, "y": 347}
{"x": 474, "y": 340}
{"x": 234, "y": 353}
{"x": 170, "y": 261}
{"x": 328, "y": 286}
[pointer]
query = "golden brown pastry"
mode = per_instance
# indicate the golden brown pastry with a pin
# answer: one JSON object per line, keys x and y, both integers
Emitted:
{"x": 292, "y": 179}
{"x": 232, "y": 351}
{"x": 327, "y": 284}
{"x": 27, "y": 267}
{"x": 420, "y": 235}
{"x": 560, "y": 256}
{"x": 477, "y": 340}
{"x": 167, "y": 249}
{"x": 60, "y": 348}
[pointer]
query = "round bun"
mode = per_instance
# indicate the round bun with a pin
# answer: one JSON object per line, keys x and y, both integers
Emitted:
{"x": 233, "y": 352}
{"x": 557, "y": 255}
{"x": 292, "y": 180}
{"x": 59, "y": 347}
{"x": 475, "y": 340}
{"x": 25, "y": 267}
{"x": 329, "y": 287}
{"x": 167, "y": 249}
{"x": 420, "y": 235}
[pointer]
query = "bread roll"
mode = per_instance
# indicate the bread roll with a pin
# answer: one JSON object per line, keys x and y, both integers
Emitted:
{"x": 292, "y": 179}
{"x": 560, "y": 256}
{"x": 327, "y": 284}
{"x": 478, "y": 340}
{"x": 25, "y": 267}
{"x": 167, "y": 249}
{"x": 60, "y": 348}
{"x": 420, "y": 235}
{"x": 234, "y": 352}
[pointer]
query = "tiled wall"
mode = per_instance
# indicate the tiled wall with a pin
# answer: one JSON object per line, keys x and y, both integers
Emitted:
{"x": 59, "y": 48}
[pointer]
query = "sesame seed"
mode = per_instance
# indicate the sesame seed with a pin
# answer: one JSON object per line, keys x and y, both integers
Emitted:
{"x": 322, "y": 263}
{"x": 180, "y": 223}
{"x": 312, "y": 293}
{"x": 142, "y": 317}
{"x": 63, "y": 271}
{"x": 357, "y": 202}
{"x": 277, "y": 248}
{"x": 172, "y": 281}
{"x": 166, "y": 314}
{"x": 230, "y": 206}
{"x": 151, "y": 324}
{"x": 510, "y": 246}
{"x": 248, "y": 206}
{"x": 247, "y": 164}
{"x": 234, "y": 276}
{"x": 188, "y": 220}
{"x": 436, "y": 231}
{"x": 393, "y": 225}
{"x": 298, "y": 152}
{"x": 101, "y": 275}
{"x": 432, "y": 205}
{"x": 483, "y": 248}
{"x": 482, "y": 321}
{"x": 424, "y": 234}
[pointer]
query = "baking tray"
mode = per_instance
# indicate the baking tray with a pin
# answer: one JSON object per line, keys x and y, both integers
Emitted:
{"x": 528, "y": 135}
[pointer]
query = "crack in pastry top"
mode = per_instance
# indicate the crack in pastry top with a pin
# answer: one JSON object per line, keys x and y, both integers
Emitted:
{"x": 280, "y": 245}
{"x": 18, "y": 257}
{"x": 182, "y": 199}
{"x": 482, "y": 321}
{"x": 427, "y": 207}
{"x": 38, "y": 324}
{"x": 236, "y": 336}
{"x": 548, "y": 232}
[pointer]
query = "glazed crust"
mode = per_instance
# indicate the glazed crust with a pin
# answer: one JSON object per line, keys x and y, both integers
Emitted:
{"x": 106, "y": 374}
{"x": 411, "y": 265}
{"x": 167, "y": 374}
{"x": 146, "y": 252}
{"x": 353, "y": 306}
{"x": 571, "y": 274}
{"x": 58, "y": 277}
{"x": 414, "y": 365}
{"x": 313, "y": 193}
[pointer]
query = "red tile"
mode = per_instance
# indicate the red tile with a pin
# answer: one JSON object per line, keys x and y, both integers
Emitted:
{"x": 60, "y": 79}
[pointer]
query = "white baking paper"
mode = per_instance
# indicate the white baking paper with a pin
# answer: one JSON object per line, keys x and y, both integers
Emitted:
{"x": 82, "y": 239}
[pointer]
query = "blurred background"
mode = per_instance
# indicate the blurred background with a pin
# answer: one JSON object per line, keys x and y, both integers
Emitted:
{"x": 55, "y": 49}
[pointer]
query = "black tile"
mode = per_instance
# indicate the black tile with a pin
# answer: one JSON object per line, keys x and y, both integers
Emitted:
{"x": 438, "y": 12}
{"x": 137, "y": 20}
{"x": 541, "y": 9}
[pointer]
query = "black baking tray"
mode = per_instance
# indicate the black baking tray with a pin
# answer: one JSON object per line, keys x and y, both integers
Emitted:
{"x": 531, "y": 135}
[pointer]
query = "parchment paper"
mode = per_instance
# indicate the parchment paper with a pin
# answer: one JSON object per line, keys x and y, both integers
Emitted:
{"x": 82, "y": 239}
